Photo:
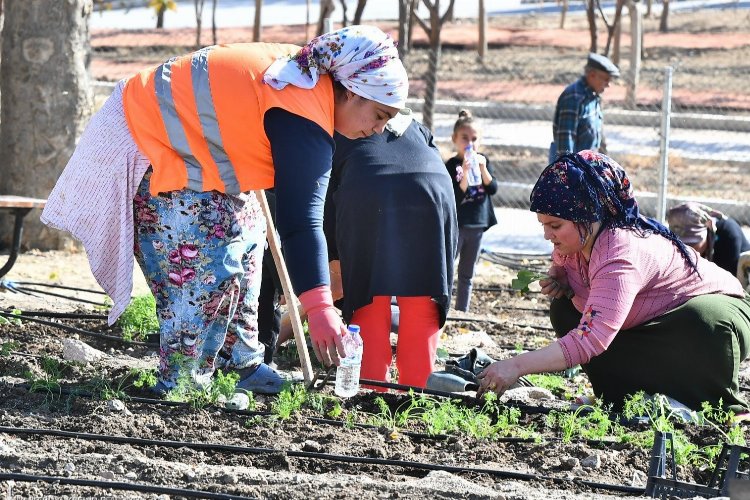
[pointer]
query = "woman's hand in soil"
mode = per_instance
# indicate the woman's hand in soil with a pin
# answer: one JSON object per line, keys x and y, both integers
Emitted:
{"x": 498, "y": 377}
{"x": 556, "y": 286}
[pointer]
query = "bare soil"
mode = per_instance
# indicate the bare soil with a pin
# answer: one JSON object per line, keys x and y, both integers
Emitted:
{"x": 272, "y": 460}
{"x": 278, "y": 457}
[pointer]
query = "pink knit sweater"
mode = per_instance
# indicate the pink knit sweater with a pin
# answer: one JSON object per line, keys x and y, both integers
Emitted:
{"x": 631, "y": 280}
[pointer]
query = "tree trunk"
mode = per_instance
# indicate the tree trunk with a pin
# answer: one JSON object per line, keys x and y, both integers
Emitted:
{"x": 591, "y": 16}
{"x": 482, "y": 46}
{"x": 42, "y": 116}
{"x": 344, "y": 19}
{"x": 198, "y": 4}
{"x": 307, "y": 20}
{"x": 563, "y": 13}
{"x": 430, "y": 90}
{"x": 256, "y": 23}
{"x": 648, "y": 8}
{"x": 663, "y": 24}
{"x": 326, "y": 9}
{"x": 160, "y": 16}
{"x": 213, "y": 21}
{"x": 403, "y": 27}
{"x": 433, "y": 33}
{"x": 636, "y": 46}
{"x": 614, "y": 29}
{"x": 360, "y": 10}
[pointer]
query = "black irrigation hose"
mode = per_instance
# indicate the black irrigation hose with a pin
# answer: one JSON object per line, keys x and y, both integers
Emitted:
{"x": 323, "y": 456}
{"x": 31, "y": 291}
{"x": 474, "y": 320}
{"x": 501, "y": 289}
{"x": 62, "y": 287}
{"x": 73, "y": 329}
{"x": 499, "y": 322}
{"x": 144, "y": 488}
{"x": 61, "y": 315}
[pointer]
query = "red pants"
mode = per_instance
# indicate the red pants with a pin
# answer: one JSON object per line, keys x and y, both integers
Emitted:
{"x": 418, "y": 331}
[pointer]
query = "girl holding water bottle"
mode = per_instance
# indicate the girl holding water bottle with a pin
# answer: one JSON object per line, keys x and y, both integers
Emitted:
{"x": 473, "y": 185}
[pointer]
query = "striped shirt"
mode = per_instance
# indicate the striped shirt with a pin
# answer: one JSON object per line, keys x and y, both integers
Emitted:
{"x": 629, "y": 281}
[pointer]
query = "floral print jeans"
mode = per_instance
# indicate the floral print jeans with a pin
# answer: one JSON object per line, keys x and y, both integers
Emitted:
{"x": 202, "y": 256}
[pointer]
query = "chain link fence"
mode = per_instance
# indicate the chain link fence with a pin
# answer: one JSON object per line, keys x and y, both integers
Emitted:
{"x": 513, "y": 89}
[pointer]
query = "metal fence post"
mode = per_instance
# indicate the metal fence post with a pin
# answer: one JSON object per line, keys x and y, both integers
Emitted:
{"x": 666, "y": 112}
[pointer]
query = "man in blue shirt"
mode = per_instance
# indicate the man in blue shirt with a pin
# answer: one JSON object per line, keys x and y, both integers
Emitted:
{"x": 577, "y": 124}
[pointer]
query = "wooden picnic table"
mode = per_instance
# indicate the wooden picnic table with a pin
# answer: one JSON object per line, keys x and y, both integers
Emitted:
{"x": 18, "y": 206}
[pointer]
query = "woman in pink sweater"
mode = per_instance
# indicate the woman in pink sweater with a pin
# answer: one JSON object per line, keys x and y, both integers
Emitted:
{"x": 635, "y": 307}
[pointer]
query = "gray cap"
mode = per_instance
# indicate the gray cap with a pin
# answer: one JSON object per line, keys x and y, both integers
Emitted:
{"x": 602, "y": 63}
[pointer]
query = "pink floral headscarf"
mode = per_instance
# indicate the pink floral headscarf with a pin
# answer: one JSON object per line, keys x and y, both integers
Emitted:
{"x": 362, "y": 58}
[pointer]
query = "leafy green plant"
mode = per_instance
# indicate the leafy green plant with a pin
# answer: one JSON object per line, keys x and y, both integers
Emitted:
{"x": 324, "y": 405}
{"x": 135, "y": 377}
{"x": 49, "y": 382}
{"x": 549, "y": 381}
{"x": 8, "y": 347}
{"x": 587, "y": 422}
{"x": 524, "y": 278}
{"x": 4, "y": 320}
{"x": 289, "y": 401}
{"x": 139, "y": 318}
{"x": 188, "y": 391}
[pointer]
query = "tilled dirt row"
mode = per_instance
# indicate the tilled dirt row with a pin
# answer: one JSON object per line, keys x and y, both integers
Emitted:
{"x": 293, "y": 458}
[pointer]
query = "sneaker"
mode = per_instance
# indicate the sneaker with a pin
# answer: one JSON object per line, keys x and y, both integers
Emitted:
{"x": 259, "y": 379}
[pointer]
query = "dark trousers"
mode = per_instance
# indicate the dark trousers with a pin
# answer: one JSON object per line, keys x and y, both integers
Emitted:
{"x": 691, "y": 353}
{"x": 469, "y": 246}
{"x": 269, "y": 313}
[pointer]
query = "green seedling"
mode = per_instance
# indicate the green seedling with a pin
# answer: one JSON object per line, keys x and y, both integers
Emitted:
{"x": 6, "y": 348}
{"x": 188, "y": 391}
{"x": 290, "y": 400}
{"x": 553, "y": 383}
{"x": 139, "y": 318}
{"x": 49, "y": 382}
{"x": 324, "y": 405}
{"x": 524, "y": 278}
{"x": 11, "y": 320}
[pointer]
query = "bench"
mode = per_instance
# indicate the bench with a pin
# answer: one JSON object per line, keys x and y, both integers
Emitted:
{"x": 18, "y": 206}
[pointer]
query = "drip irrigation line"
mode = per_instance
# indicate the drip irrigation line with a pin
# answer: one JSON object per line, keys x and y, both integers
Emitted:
{"x": 408, "y": 464}
{"x": 61, "y": 315}
{"x": 73, "y": 329}
{"x": 502, "y": 289}
{"x": 499, "y": 322}
{"x": 474, "y": 320}
{"x": 62, "y": 287}
{"x": 116, "y": 485}
{"x": 522, "y": 325}
{"x": 53, "y": 294}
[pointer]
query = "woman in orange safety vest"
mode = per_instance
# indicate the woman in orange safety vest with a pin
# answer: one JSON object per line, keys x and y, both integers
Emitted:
{"x": 169, "y": 161}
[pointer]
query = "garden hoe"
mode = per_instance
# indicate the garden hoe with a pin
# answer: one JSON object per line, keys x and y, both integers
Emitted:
{"x": 286, "y": 285}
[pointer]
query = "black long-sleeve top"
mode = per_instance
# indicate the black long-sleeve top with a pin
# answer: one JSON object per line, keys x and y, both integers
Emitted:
{"x": 474, "y": 205}
{"x": 392, "y": 215}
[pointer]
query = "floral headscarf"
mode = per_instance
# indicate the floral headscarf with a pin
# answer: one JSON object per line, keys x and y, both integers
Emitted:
{"x": 362, "y": 58}
{"x": 589, "y": 187}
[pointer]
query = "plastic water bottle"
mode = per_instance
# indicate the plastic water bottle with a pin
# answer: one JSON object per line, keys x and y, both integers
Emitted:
{"x": 347, "y": 373}
{"x": 473, "y": 175}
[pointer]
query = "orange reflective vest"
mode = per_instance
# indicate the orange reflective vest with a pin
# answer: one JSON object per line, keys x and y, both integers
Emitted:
{"x": 199, "y": 118}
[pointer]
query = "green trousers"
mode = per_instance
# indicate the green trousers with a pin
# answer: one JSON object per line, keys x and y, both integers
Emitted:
{"x": 691, "y": 353}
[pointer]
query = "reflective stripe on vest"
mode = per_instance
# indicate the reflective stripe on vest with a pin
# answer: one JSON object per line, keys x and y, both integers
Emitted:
{"x": 207, "y": 116}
